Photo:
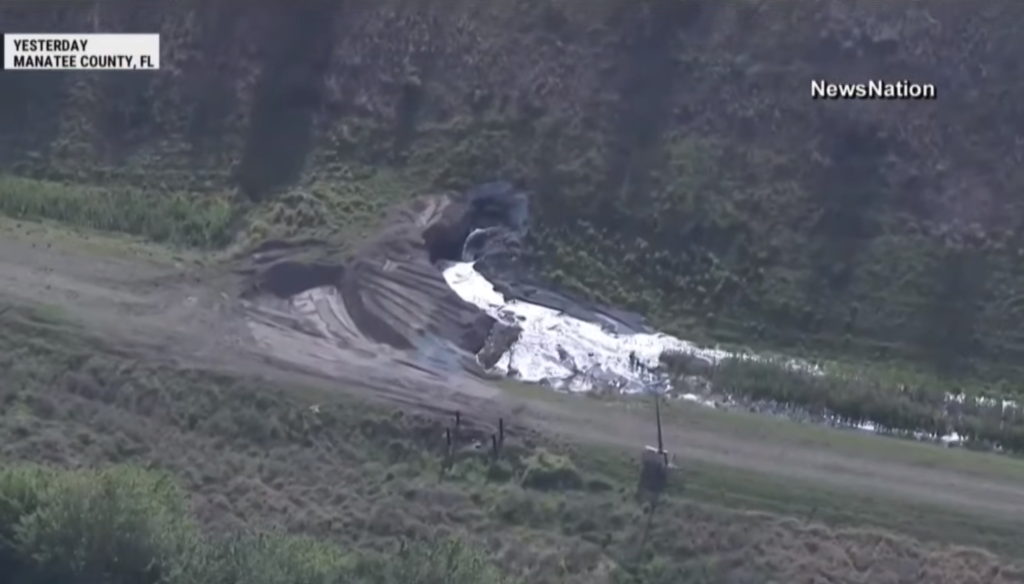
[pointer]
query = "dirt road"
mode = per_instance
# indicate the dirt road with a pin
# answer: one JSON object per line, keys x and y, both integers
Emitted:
{"x": 182, "y": 311}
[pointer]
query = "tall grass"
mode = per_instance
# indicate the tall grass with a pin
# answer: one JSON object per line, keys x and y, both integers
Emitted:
{"x": 124, "y": 525}
{"x": 175, "y": 218}
{"x": 857, "y": 400}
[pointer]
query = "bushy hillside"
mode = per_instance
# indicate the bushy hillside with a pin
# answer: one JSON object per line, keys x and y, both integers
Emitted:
{"x": 126, "y": 525}
{"x": 679, "y": 164}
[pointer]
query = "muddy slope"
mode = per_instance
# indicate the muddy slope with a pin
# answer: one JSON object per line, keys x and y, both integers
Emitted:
{"x": 391, "y": 290}
{"x": 160, "y": 314}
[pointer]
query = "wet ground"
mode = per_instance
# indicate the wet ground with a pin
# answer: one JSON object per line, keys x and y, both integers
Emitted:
{"x": 165, "y": 309}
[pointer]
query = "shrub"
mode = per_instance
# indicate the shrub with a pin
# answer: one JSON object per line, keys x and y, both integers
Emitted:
{"x": 855, "y": 400}
{"x": 125, "y": 525}
{"x": 450, "y": 562}
{"x": 117, "y": 525}
{"x": 268, "y": 559}
{"x": 20, "y": 492}
{"x": 546, "y": 471}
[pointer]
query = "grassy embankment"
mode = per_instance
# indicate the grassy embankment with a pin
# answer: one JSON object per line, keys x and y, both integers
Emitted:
{"x": 173, "y": 218}
{"x": 345, "y": 211}
{"x": 925, "y": 405}
{"x": 342, "y": 212}
{"x": 255, "y": 458}
{"x": 212, "y": 222}
{"x": 816, "y": 230}
{"x": 741, "y": 489}
{"x": 898, "y": 401}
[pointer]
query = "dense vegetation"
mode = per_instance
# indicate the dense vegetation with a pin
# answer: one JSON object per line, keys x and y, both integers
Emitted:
{"x": 174, "y": 218}
{"x": 679, "y": 166}
{"x": 896, "y": 408}
{"x": 125, "y": 525}
{"x": 254, "y": 457}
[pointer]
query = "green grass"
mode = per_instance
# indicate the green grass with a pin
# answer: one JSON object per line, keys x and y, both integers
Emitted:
{"x": 869, "y": 396}
{"x": 764, "y": 428}
{"x": 126, "y": 525}
{"x": 256, "y": 458}
{"x": 100, "y": 243}
{"x": 735, "y": 488}
{"x": 168, "y": 217}
{"x": 880, "y": 448}
{"x": 343, "y": 207}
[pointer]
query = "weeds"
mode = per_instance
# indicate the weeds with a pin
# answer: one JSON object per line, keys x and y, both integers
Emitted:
{"x": 546, "y": 471}
{"x": 175, "y": 218}
{"x": 128, "y": 526}
{"x": 118, "y": 525}
{"x": 858, "y": 400}
{"x": 356, "y": 481}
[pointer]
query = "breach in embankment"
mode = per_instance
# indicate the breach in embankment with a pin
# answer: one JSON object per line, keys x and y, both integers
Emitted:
{"x": 443, "y": 282}
{"x": 443, "y": 287}
{"x": 391, "y": 292}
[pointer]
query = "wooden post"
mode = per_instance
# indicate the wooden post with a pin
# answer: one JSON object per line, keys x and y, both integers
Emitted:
{"x": 657, "y": 414}
{"x": 446, "y": 461}
{"x": 494, "y": 446}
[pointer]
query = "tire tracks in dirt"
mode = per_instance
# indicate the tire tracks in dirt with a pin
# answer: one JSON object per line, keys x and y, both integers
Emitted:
{"x": 192, "y": 315}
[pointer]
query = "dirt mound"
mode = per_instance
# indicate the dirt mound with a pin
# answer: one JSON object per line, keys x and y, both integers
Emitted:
{"x": 391, "y": 288}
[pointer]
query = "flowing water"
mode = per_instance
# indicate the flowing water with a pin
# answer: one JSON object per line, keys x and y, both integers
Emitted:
{"x": 573, "y": 354}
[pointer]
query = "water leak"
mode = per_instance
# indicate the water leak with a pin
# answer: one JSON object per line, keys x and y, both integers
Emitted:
{"x": 573, "y": 354}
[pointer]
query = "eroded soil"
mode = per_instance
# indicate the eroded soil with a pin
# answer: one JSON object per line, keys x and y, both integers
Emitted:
{"x": 179, "y": 312}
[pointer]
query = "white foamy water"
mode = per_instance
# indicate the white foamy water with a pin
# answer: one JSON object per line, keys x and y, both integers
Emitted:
{"x": 570, "y": 353}
{"x": 576, "y": 355}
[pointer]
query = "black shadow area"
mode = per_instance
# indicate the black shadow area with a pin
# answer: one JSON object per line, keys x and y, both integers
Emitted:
{"x": 288, "y": 95}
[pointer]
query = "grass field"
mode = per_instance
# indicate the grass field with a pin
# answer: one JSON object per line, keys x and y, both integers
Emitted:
{"x": 343, "y": 211}
{"x": 123, "y": 524}
{"x": 740, "y": 489}
{"x": 757, "y": 427}
{"x": 256, "y": 457}
{"x": 172, "y": 217}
